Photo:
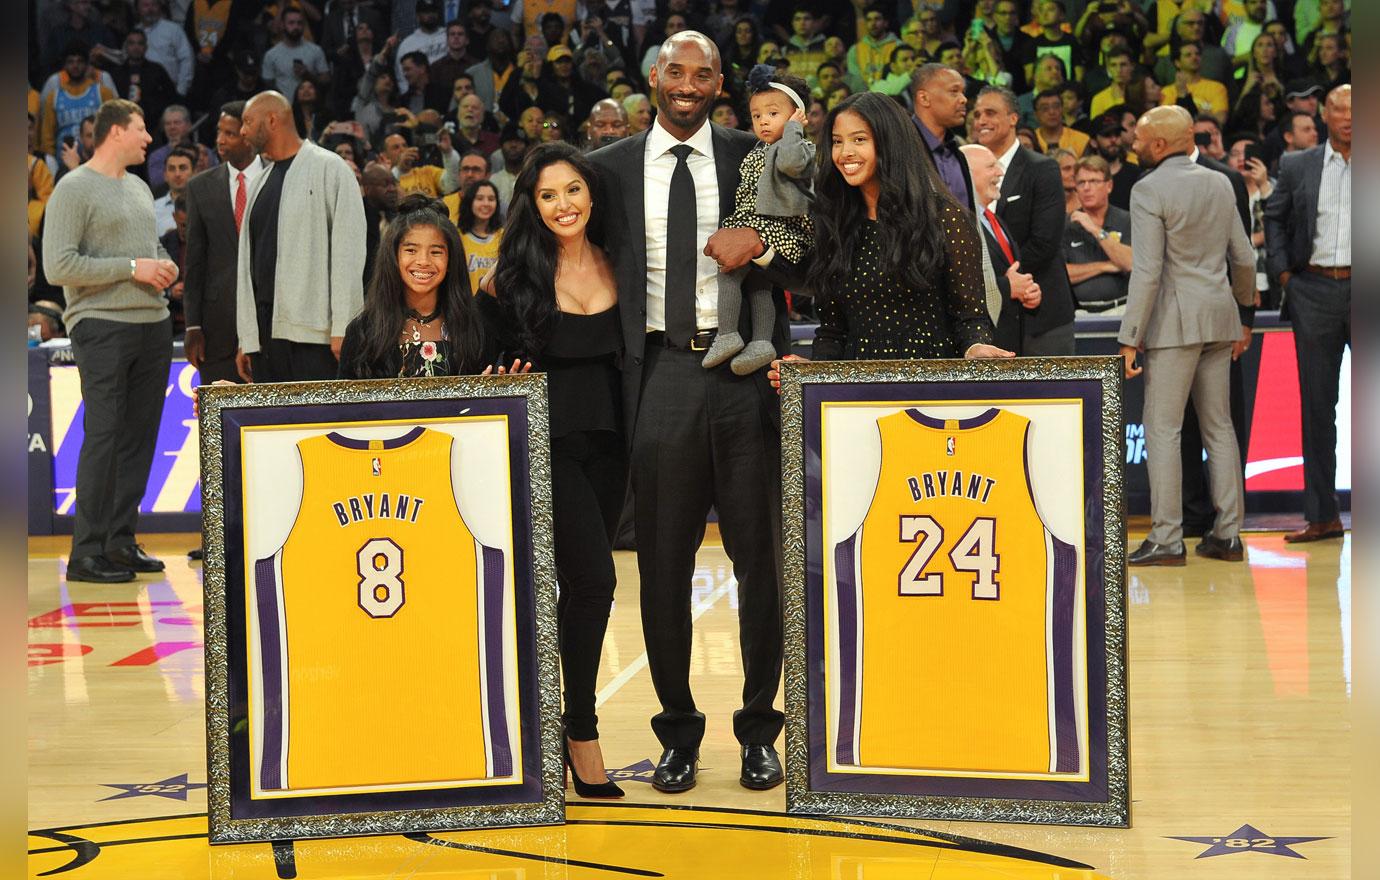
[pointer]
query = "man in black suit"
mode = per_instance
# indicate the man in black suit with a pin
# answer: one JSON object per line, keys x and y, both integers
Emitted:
{"x": 216, "y": 201}
{"x": 1198, "y": 511}
{"x": 1308, "y": 242}
{"x": 1032, "y": 208}
{"x": 699, "y": 438}
{"x": 1020, "y": 294}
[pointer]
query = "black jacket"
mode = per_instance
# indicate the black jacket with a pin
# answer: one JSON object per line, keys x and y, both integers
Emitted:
{"x": 622, "y": 165}
{"x": 1031, "y": 206}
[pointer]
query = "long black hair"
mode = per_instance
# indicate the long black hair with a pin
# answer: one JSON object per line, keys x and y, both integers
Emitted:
{"x": 385, "y": 299}
{"x": 909, "y": 203}
{"x": 525, "y": 280}
{"x": 467, "y": 218}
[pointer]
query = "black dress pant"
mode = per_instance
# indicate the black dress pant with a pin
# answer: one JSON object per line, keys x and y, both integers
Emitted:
{"x": 1320, "y": 309}
{"x": 281, "y": 360}
{"x": 124, "y": 376}
{"x": 705, "y": 438}
{"x": 1198, "y": 512}
{"x": 589, "y": 471}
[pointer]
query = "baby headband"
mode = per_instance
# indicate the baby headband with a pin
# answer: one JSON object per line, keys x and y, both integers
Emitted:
{"x": 761, "y": 76}
{"x": 789, "y": 92}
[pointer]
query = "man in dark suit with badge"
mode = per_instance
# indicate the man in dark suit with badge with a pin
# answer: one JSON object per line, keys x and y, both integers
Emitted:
{"x": 699, "y": 438}
{"x": 1031, "y": 206}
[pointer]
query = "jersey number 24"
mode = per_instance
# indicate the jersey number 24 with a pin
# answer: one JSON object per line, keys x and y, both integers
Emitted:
{"x": 974, "y": 552}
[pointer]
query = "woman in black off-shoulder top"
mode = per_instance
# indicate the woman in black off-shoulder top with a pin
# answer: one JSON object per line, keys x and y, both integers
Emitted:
{"x": 555, "y": 290}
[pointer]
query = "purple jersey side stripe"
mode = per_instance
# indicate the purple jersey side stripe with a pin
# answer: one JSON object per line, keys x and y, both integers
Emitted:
{"x": 1065, "y": 720}
{"x": 493, "y": 655}
{"x": 846, "y": 593}
{"x": 266, "y": 596}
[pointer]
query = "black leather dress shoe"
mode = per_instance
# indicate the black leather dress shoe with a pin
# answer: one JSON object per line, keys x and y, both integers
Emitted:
{"x": 134, "y": 558}
{"x": 676, "y": 770}
{"x": 97, "y": 570}
{"x": 761, "y": 768}
{"x": 1151, "y": 553}
{"x": 1229, "y": 549}
{"x": 196, "y": 555}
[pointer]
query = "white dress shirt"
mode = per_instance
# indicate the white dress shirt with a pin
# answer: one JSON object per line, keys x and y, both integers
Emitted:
{"x": 1004, "y": 160}
{"x": 660, "y": 165}
{"x": 1332, "y": 237}
{"x": 163, "y": 214}
{"x": 251, "y": 174}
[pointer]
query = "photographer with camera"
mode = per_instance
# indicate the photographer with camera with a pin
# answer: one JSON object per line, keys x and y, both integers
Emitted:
{"x": 413, "y": 156}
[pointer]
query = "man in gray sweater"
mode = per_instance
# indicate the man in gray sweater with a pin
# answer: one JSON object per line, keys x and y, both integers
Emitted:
{"x": 100, "y": 244}
{"x": 301, "y": 257}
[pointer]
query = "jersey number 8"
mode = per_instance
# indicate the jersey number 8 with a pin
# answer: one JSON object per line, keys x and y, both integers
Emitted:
{"x": 975, "y": 552}
{"x": 380, "y": 578}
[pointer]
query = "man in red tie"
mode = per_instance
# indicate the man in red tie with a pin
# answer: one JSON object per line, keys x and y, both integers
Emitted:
{"x": 1018, "y": 289}
{"x": 216, "y": 202}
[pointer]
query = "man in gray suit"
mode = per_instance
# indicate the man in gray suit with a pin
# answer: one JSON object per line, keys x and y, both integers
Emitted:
{"x": 1179, "y": 311}
{"x": 1308, "y": 238}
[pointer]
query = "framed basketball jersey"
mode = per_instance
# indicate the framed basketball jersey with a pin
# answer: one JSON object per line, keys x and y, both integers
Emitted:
{"x": 381, "y": 609}
{"x": 955, "y": 642}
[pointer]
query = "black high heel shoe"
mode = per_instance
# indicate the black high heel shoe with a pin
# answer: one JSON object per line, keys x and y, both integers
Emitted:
{"x": 606, "y": 790}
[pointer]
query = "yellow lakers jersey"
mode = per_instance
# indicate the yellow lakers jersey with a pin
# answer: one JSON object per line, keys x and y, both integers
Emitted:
{"x": 380, "y": 626}
{"x": 954, "y": 608}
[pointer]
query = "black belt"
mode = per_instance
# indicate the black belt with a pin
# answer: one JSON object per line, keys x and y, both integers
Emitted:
{"x": 699, "y": 342}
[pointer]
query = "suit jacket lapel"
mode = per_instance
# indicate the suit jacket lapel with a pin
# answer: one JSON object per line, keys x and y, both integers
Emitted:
{"x": 634, "y": 207}
{"x": 726, "y": 163}
{"x": 1011, "y": 181}
{"x": 1313, "y": 181}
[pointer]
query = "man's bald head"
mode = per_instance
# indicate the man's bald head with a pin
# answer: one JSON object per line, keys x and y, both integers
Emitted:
{"x": 379, "y": 186}
{"x": 267, "y": 125}
{"x": 1163, "y": 131}
{"x": 675, "y": 42}
{"x": 1337, "y": 115}
{"x": 269, "y": 102}
{"x": 608, "y": 122}
{"x": 687, "y": 77}
{"x": 985, "y": 171}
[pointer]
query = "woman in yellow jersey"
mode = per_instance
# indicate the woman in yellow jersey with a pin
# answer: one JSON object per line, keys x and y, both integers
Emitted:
{"x": 481, "y": 229}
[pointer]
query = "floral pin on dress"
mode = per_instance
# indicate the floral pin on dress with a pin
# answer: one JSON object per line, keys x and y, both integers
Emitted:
{"x": 423, "y": 357}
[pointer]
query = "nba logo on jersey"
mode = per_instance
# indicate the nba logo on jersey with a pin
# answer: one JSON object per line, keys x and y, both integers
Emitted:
{"x": 954, "y": 607}
{"x": 378, "y": 467}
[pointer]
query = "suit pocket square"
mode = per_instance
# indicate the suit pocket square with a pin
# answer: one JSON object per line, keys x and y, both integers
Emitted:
{"x": 1015, "y": 198}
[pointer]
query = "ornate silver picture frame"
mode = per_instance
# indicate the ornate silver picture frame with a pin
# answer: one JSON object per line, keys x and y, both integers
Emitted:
{"x": 380, "y": 592}
{"x": 955, "y": 590}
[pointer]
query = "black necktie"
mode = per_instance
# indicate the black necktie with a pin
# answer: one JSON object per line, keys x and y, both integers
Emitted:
{"x": 680, "y": 251}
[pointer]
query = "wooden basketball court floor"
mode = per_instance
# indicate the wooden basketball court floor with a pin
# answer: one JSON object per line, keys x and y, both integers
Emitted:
{"x": 1240, "y": 748}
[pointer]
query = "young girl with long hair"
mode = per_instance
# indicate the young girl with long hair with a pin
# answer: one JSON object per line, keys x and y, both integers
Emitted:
{"x": 419, "y": 318}
{"x": 897, "y": 261}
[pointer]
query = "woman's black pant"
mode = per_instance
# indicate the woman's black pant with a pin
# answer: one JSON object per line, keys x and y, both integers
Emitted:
{"x": 588, "y": 475}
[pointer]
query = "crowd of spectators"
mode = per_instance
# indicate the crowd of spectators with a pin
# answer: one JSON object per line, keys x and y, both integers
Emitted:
{"x": 442, "y": 95}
